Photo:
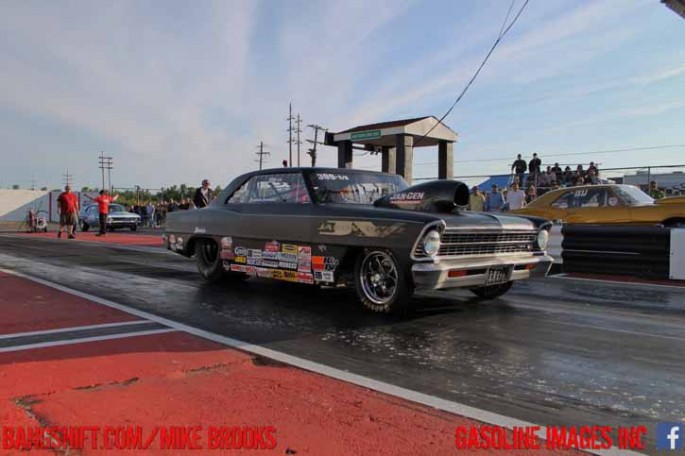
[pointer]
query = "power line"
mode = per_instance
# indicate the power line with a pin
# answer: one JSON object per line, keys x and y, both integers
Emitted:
{"x": 568, "y": 154}
{"x": 501, "y": 36}
{"x": 67, "y": 178}
{"x": 298, "y": 130}
{"x": 290, "y": 133}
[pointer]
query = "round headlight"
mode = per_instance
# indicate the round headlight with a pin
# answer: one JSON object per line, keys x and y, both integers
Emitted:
{"x": 172, "y": 239}
{"x": 431, "y": 243}
{"x": 543, "y": 239}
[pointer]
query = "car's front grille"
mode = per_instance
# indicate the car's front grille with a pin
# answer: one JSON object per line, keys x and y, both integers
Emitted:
{"x": 454, "y": 243}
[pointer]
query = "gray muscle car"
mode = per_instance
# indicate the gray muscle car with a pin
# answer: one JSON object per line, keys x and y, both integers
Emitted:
{"x": 365, "y": 229}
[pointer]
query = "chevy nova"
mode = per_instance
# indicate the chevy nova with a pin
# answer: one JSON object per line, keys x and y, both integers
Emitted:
{"x": 369, "y": 230}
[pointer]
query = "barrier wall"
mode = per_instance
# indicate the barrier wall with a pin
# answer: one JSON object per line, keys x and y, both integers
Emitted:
{"x": 15, "y": 204}
{"x": 653, "y": 252}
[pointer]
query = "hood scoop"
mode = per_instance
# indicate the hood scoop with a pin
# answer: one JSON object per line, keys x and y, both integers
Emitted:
{"x": 440, "y": 196}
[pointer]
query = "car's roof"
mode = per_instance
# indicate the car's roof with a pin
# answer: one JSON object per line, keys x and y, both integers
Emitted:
{"x": 308, "y": 169}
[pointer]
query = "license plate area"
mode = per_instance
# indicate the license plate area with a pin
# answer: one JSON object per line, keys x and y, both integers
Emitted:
{"x": 497, "y": 275}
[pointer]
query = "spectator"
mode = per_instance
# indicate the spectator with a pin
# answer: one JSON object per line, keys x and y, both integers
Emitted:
{"x": 580, "y": 172}
{"x": 580, "y": 180}
{"x": 531, "y": 194}
{"x": 68, "y": 212}
{"x": 203, "y": 195}
{"x": 494, "y": 200}
{"x": 654, "y": 191}
{"x": 519, "y": 168}
{"x": 567, "y": 178}
{"x": 172, "y": 206}
{"x": 591, "y": 176}
{"x": 476, "y": 200}
{"x": 534, "y": 164}
{"x": 516, "y": 198}
{"x": 103, "y": 201}
{"x": 557, "y": 171}
{"x": 285, "y": 163}
{"x": 150, "y": 214}
{"x": 593, "y": 167}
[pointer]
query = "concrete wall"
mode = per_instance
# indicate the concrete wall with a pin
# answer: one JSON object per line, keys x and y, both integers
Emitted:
{"x": 15, "y": 204}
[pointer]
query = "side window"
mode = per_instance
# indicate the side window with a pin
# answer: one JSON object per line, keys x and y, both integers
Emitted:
{"x": 564, "y": 201}
{"x": 591, "y": 197}
{"x": 288, "y": 188}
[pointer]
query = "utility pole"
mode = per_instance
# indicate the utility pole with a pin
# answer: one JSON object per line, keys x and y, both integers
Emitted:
{"x": 106, "y": 164}
{"x": 290, "y": 133}
{"x": 33, "y": 182}
{"x": 312, "y": 151}
{"x": 67, "y": 178}
{"x": 298, "y": 130}
{"x": 261, "y": 154}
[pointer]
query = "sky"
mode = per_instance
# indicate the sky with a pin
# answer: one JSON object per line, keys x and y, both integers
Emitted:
{"x": 177, "y": 91}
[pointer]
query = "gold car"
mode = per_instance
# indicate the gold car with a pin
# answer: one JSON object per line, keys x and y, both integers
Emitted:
{"x": 606, "y": 204}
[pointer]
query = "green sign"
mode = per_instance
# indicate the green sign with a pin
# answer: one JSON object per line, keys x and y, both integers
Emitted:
{"x": 368, "y": 134}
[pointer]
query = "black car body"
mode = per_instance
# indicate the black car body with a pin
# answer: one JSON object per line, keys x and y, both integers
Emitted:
{"x": 118, "y": 217}
{"x": 341, "y": 227}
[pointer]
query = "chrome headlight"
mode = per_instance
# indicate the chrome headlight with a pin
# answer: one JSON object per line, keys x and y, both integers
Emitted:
{"x": 431, "y": 243}
{"x": 543, "y": 239}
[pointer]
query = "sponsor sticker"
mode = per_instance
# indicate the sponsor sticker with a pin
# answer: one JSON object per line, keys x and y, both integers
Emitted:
{"x": 270, "y": 263}
{"x": 321, "y": 263}
{"x": 289, "y": 248}
{"x": 240, "y": 251}
{"x": 270, "y": 255}
{"x": 273, "y": 246}
{"x": 254, "y": 253}
{"x": 254, "y": 261}
{"x": 226, "y": 265}
{"x": 303, "y": 277}
{"x": 287, "y": 265}
{"x": 242, "y": 268}
{"x": 289, "y": 257}
{"x": 227, "y": 243}
{"x": 226, "y": 255}
{"x": 241, "y": 259}
{"x": 324, "y": 276}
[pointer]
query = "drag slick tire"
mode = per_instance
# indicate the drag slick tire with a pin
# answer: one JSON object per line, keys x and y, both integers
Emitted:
{"x": 492, "y": 291}
{"x": 382, "y": 284}
{"x": 209, "y": 263}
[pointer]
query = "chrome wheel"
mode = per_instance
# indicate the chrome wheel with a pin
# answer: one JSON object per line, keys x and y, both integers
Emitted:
{"x": 378, "y": 277}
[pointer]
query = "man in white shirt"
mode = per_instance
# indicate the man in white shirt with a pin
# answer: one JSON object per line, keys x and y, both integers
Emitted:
{"x": 516, "y": 197}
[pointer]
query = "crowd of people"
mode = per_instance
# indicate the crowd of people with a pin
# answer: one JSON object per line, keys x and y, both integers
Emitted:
{"x": 153, "y": 214}
{"x": 536, "y": 182}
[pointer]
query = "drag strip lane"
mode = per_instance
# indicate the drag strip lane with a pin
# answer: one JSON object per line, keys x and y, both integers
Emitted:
{"x": 508, "y": 357}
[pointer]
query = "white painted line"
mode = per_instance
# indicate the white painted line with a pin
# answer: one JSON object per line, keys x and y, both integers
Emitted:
{"x": 359, "y": 380}
{"x": 72, "y": 328}
{"x": 58, "y": 343}
{"x": 616, "y": 282}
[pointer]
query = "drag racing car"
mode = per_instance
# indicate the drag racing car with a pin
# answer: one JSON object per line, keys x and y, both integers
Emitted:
{"x": 607, "y": 204}
{"x": 368, "y": 230}
{"x": 118, "y": 217}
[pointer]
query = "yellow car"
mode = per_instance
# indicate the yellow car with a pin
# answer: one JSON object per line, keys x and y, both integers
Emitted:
{"x": 606, "y": 204}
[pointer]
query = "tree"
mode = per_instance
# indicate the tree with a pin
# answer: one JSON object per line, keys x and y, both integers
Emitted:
{"x": 15, "y": 187}
{"x": 43, "y": 189}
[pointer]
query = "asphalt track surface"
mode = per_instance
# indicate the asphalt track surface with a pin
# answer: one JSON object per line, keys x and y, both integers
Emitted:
{"x": 553, "y": 351}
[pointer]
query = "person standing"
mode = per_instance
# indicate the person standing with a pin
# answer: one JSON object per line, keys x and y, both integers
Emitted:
{"x": 519, "y": 168}
{"x": 534, "y": 165}
{"x": 203, "y": 195}
{"x": 103, "y": 201}
{"x": 476, "y": 200}
{"x": 494, "y": 201}
{"x": 654, "y": 191}
{"x": 68, "y": 212}
{"x": 516, "y": 197}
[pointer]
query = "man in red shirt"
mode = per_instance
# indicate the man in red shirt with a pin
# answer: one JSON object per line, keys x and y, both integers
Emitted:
{"x": 103, "y": 201}
{"x": 68, "y": 212}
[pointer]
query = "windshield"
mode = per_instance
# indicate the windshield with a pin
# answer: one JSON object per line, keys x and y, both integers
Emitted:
{"x": 344, "y": 187}
{"x": 633, "y": 196}
{"x": 113, "y": 208}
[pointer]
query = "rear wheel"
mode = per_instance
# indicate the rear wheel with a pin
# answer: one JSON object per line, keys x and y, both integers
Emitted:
{"x": 492, "y": 291}
{"x": 382, "y": 284}
{"x": 209, "y": 263}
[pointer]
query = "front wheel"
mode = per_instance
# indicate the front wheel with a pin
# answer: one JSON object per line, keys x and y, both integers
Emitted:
{"x": 84, "y": 226}
{"x": 492, "y": 291}
{"x": 134, "y": 227}
{"x": 382, "y": 284}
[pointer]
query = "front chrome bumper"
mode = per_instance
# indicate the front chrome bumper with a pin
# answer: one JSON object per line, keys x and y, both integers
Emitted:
{"x": 436, "y": 275}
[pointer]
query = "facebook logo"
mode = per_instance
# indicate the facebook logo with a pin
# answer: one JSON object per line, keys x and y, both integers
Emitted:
{"x": 669, "y": 436}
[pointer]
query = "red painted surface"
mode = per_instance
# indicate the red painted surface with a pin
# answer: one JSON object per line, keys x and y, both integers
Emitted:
{"x": 111, "y": 238}
{"x": 627, "y": 279}
{"x": 28, "y": 306}
{"x": 177, "y": 379}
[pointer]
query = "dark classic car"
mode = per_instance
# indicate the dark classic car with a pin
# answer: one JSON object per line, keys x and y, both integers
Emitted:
{"x": 118, "y": 217}
{"x": 365, "y": 229}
